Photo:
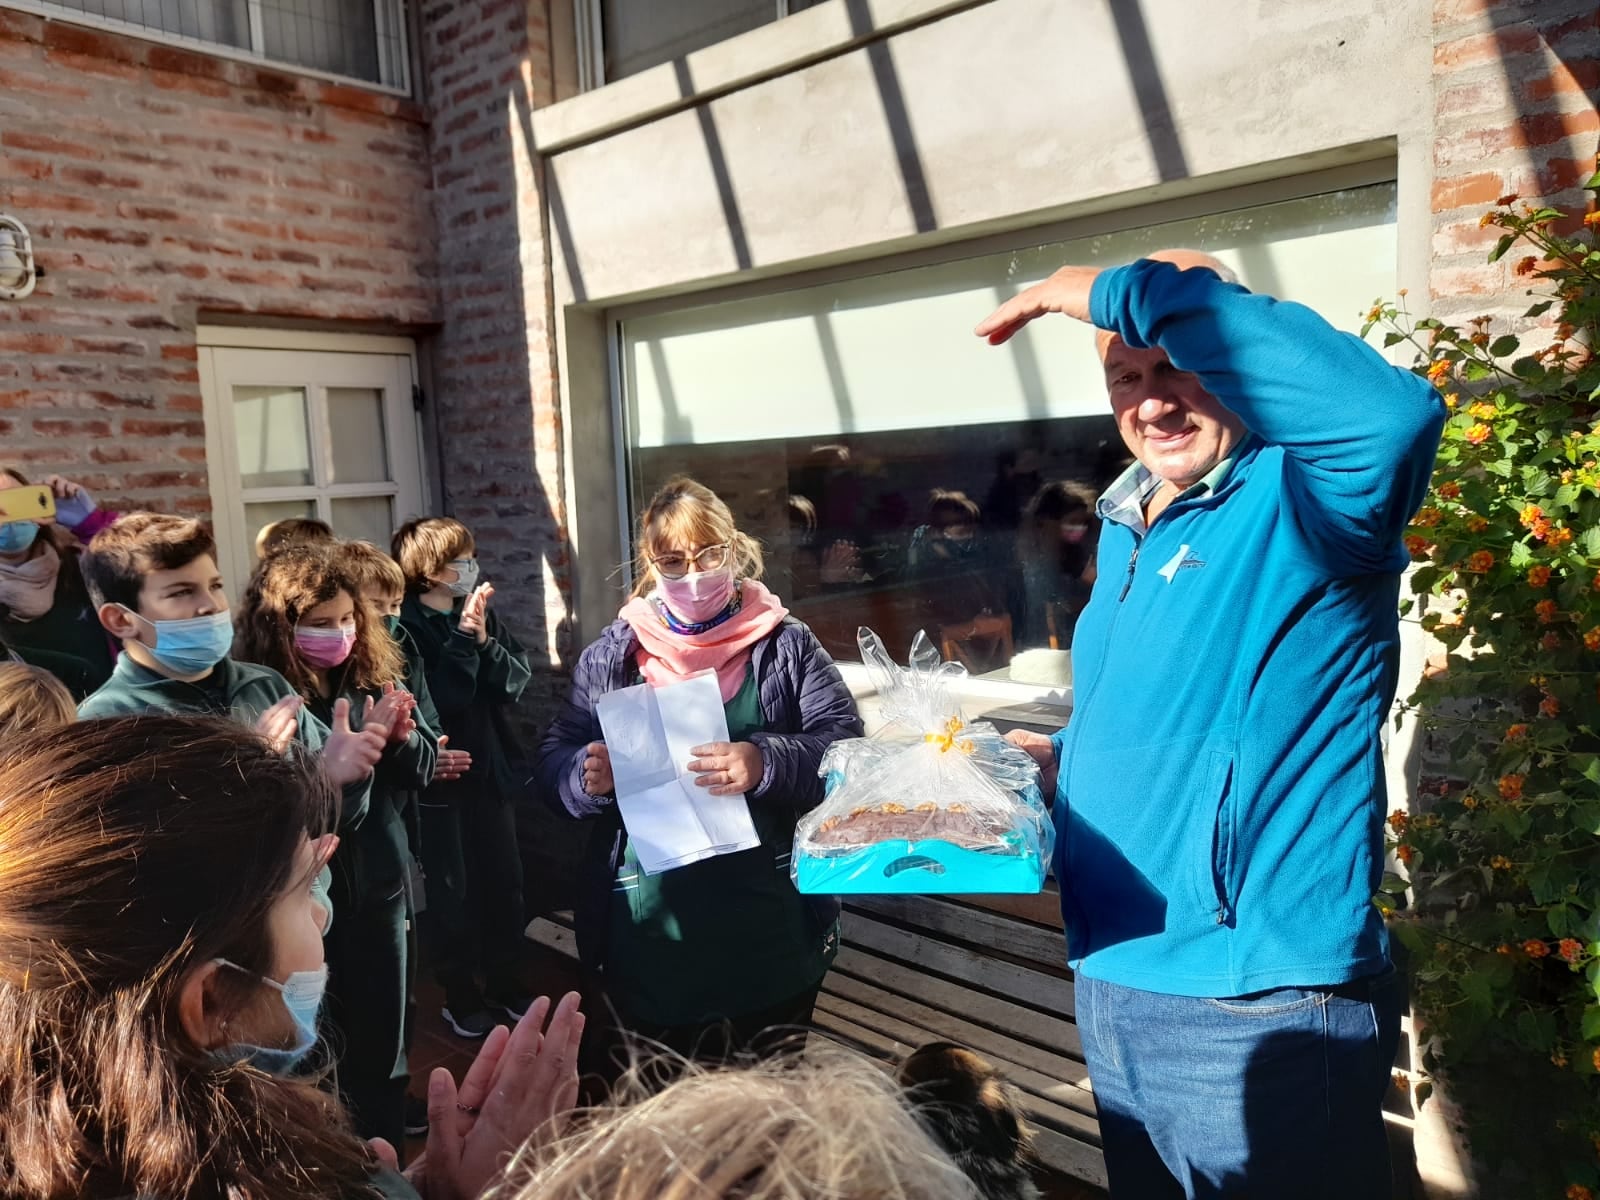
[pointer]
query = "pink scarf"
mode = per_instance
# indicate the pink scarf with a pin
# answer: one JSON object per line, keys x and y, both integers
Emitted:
{"x": 28, "y": 589}
{"x": 666, "y": 657}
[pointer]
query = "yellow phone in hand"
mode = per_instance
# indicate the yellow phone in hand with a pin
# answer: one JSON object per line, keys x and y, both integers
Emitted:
{"x": 32, "y": 502}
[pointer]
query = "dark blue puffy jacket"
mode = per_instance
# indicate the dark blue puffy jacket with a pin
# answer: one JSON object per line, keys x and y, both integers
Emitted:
{"x": 806, "y": 707}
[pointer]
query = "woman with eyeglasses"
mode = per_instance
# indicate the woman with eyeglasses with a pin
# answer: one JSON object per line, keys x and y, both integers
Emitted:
{"x": 723, "y": 956}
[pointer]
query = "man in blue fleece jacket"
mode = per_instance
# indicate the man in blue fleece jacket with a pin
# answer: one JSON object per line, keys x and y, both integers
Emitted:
{"x": 1219, "y": 794}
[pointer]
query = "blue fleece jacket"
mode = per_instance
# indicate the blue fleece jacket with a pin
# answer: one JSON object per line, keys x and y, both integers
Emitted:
{"x": 1221, "y": 790}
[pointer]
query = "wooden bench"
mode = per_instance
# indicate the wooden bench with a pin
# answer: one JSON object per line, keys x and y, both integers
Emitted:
{"x": 985, "y": 972}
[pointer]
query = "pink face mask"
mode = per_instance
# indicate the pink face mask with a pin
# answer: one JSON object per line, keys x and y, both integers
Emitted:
{"x": 697, "y": 597}
{"x": 324, "y": 647}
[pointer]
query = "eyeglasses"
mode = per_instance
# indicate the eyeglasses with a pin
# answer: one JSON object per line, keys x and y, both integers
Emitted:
{"x": 675, "y": 566}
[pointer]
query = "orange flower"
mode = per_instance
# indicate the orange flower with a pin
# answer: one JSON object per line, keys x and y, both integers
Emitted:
{"x": 1469, "y": 802}
{"x": 1405, "y": 853}
{"x": 1576, "y": 1191}
{"x": 1538, "y": 576}
{"x": 1591, "y": 219}
{"x": 1450, "y": 490}
{"x": 1418, "y": 545}
{"x": 1398, "y": 820}
{"x": 1452, "y": 399}
{"x": 1476, "y": 524}
{"x": 1480, "y": 560}
{"x": 1501, "y": 863}
{"x": 1516, "y": 733}
{"x": 1511, "y": 787}
{"x": 1427, "y": 518}
{"x": 1479, "y": 411}
{"x": 1550, "y": 641}
{"x": 1437, "y": 370}
{"x": 1561, "y": 536}
{"x": 1541, "y": 529}
{"x": 1570, "y": 949}
{"x": 1534, "y": 948}
{"x": 1547, "y": 610}
{"x": 1596, "y": 584}
{"x": 1525, "y": 266}
{"x": 1558, "y": 1058}
{"x": 1549, "y": 706}
{"x": 1478, "y": 434}
{"x": 1507, "y": 200}
{"x": 1591, "y": 640}
{"x": 1596, "y": 1060}
{"x": 1529, "y": 515}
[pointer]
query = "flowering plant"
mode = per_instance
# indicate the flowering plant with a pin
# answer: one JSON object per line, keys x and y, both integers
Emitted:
{"x": 1503, "y": 925}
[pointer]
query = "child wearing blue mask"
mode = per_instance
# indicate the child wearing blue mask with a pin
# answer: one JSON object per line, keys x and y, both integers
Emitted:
{"x": 302, "y": 616}
{"x": 476, "y": 671}
{"x": 45, "y": 615}
{"x": 161, "y": 963}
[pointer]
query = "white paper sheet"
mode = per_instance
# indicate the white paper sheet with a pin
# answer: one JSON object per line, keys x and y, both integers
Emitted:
{"x": 650, "y": 733}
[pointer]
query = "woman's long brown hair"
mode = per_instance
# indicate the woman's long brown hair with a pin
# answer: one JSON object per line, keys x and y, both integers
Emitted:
{"x": 132, "y": 852}
{"x": 287, "y": 586}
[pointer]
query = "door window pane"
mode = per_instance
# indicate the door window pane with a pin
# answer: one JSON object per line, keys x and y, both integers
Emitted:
{"x": 904, "y": 475}
{"x": 357, "y": 447}
{"x": 258, "y": 516}
{"x": 369, "y": 518}
{"x": 270, "y": 431}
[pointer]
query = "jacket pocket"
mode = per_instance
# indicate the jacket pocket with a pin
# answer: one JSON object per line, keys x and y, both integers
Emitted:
{"x": 1214, "y": 882}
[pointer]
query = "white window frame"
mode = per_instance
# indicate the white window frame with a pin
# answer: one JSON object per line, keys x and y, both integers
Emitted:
{"x": 409, "y": 476}
{"x": 388, "y": 14}
{"x": 592, "y": 44}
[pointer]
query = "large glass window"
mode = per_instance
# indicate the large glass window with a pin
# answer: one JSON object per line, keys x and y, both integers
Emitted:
{"x": 360, "y": 39}
{"x": 635, "y": 35}
{"x": 902, "y": 474}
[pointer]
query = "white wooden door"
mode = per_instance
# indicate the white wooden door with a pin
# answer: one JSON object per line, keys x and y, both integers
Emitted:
{"x": 308, "y": 433}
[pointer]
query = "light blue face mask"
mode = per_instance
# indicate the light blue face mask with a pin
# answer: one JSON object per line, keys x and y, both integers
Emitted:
{"x": 189, "y": 647}
{"x": 466, "y": 570}
{"x": 302, "y": 996}
{"x": 17, "y": 536}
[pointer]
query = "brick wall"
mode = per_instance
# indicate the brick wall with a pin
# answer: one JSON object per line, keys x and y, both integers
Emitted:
{"x": 487, "y": 64}
{"x": 159, "y": 183}
{"x": 1516, "y": 87}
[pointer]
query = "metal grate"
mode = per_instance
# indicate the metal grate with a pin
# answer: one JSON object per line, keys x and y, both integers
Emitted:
{"x": 359, "y": 39}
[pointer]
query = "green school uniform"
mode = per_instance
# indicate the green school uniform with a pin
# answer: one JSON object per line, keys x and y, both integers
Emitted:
{"x": 67, "y": 641}
{"x": 719, "y": 938}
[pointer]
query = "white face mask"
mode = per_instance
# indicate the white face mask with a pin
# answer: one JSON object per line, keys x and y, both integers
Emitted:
{"x": 466, "y": 570}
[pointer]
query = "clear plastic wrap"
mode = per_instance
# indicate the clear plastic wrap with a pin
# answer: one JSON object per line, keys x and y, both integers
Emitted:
{"x": 932, "y": 803}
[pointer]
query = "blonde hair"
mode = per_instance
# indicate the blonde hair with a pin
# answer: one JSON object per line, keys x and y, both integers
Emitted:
{"x": 292, "y": 531}
{"x": 685, "y": 513}
{"x": 826, "y": 1124}
{"x": 32, "y": 699}
{"x": 371, "y": 568}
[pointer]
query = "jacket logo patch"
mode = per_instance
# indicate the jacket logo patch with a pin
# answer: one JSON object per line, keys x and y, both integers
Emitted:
{"x": 1184, "y": 560}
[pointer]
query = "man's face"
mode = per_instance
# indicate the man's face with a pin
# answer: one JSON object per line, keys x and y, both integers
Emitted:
{"x": 1177, "y": 429}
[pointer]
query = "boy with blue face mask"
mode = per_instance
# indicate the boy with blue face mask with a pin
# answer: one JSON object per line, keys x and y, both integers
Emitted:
{"x": 155, "y": 584}
{"x": 476, "y": 671}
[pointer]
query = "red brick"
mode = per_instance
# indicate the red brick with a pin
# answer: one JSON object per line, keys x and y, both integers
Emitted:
{"x": 148, "y": 427}
{"x": 20, "y": 26}
{"x": 1564, "y": 78}
{"x": 66, "y": 38}
{"x": 1547, "y": 129}
{"x": 1504, "y": 43}
{"x": 60, "y": 428}
{"x": 1484, "y": 187}
{"x": 178, "y": 61}
{"x": 44, "y": 143}
{"x": 187, "y": 352}
{"x": 190, "y": 85}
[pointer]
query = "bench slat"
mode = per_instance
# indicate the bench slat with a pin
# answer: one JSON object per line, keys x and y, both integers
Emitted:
{"x": 1045, "y": 1030}
{"x": 974, "y": 926}
{"x": 995, "y": 976}
{"x": 1055, "y": 1078}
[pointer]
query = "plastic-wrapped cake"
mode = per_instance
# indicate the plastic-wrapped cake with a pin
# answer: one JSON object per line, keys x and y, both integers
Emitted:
{"x": 933, "y": 804}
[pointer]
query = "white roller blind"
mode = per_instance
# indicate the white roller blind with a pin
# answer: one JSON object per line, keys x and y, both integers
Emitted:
{"x": 896, "y": 351}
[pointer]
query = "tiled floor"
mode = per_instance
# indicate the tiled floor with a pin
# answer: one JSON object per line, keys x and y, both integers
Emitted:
{"x": 434, "y": 1045}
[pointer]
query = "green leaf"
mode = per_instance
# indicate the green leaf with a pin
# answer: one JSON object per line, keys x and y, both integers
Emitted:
{"x": 1505, "y": 243}
{"x": 1521, "y": 556}
{"x": 1567, "y": 494}
{"x": 1591, "y": 548}
{"x": 1558, "y": 919}
{"x": 1594, "y": 183}
{"x": 1503, "y": 345}
{"x": 1586, "y": 816}
{"x": 1591, "y": 1023}
{"x": 1539, "y": 309}
{"x": 1422, "y": 1091}
{"x": 1473, "y": 371}
{"x": 1393, "y": 339}
{"x": 1393, "y": 884}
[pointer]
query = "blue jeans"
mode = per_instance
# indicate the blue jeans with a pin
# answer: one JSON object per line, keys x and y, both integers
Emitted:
{"x": 1273, "y": 1095}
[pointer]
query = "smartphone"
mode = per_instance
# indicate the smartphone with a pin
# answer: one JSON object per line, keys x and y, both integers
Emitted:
{"x": 30, "y": 503}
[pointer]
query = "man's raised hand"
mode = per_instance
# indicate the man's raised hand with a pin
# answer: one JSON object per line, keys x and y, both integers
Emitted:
{"x": 1065, "y": 292}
